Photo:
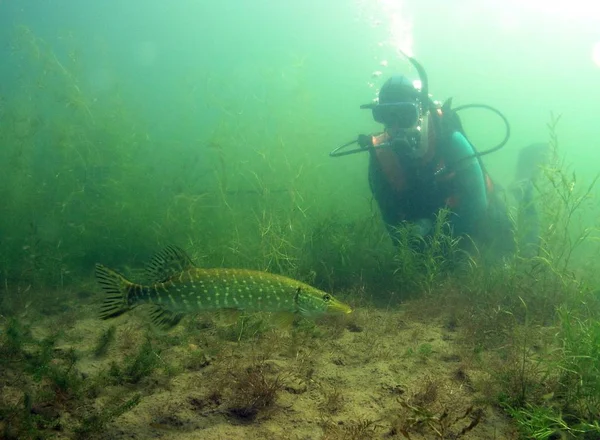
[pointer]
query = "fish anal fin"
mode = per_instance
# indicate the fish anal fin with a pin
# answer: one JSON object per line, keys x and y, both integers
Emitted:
{"x": 162, "y": 318}
{"x": 171, "y": 261}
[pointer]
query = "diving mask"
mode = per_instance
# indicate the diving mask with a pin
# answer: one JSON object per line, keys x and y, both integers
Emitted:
{"x": 397, "y": 114}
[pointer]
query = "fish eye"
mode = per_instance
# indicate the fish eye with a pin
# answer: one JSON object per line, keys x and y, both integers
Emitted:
{"x": 326, "y": 297}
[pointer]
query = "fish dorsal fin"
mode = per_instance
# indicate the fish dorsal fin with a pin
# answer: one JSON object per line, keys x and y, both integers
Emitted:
{"x": 171, "y": 261}
{"x": 162, "y": 318}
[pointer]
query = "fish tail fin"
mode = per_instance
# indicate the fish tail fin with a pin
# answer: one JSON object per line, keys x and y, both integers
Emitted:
{"x": 118, "y": 292}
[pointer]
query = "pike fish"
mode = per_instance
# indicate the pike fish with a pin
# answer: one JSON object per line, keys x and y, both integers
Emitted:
{"x": 180, "y": 287}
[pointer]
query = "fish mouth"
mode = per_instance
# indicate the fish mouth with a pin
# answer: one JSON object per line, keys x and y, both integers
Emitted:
{"x": 340, "y": 308}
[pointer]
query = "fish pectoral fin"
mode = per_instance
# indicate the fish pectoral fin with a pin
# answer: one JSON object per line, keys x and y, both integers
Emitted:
{"x": 162, "y": 318}
{"x": 284, "y": 320}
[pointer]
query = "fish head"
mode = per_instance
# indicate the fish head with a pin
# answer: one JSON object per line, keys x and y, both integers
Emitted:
{"x": 315, "y": 302}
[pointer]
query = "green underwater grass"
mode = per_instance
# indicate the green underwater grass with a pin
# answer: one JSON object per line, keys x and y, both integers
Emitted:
{"x": 549, "y": 316}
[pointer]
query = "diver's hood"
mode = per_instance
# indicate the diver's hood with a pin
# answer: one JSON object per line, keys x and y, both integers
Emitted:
{"x": 399, "y": 88}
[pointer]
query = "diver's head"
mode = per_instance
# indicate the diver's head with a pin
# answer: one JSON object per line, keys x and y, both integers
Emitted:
{"x": 398, "y": 106}
{"x": 401, "y": 111}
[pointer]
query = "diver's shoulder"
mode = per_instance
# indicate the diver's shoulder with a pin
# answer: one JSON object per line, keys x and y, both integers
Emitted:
{"x": 455, "y": 141}
{"x": 457, "y": 138}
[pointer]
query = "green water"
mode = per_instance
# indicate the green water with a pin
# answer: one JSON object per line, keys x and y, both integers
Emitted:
{"x": 125, "y": 128}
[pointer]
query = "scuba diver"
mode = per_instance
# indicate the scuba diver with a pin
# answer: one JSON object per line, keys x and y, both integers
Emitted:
{"x": 423, "y": 162}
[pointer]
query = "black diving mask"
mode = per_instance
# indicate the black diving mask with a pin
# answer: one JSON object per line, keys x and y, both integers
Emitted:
{"x": 397, "y": 114}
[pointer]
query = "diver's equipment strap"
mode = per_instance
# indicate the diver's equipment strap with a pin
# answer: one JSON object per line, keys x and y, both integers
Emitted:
{"x": 362, "y": 141}
{"x": 366, "y": 142}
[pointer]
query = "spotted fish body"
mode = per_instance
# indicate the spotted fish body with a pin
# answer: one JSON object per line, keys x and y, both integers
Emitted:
{"x": 195, "y": 289}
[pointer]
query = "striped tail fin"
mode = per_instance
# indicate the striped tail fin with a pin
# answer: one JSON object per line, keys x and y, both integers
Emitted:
{"x": 117, "y": 290}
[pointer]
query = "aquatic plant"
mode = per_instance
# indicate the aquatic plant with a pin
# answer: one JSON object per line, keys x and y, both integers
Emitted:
{"x": 41, "y": 360}
{"x": 333, "y": 400}
{"x": 579, "y": 382}
{"x": 20, "y": 422}
{"x": 106, "y": 338}
{"x": 423, "y": 263}
{"x": 425, "y": 350}
{"x": 563, "y": 202}
{"x": 14, "y": 334}
{"x": 449, "y": 423}
{"x": 356, "y": 429}
{"x": 196, "y": 359}
{"x": 524, "y": 375}
{"x": 547, "y": 384}
{"x": 545, "y": 423}
{"x": 277, "y": 250}
{"x": 92, "y": 165}
{"x": 136, "y": 367}
{"x": 64, "y": 378}
{"x": 343, "y": 253}
{"x": 252, "y": 391}
{"x": 95, "y": 421}
{"x": 75, "y": 146}
{"x": 49, "y": 393}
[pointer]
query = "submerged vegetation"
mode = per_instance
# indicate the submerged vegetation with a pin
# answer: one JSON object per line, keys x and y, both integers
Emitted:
{"x": 523, "y": 336}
